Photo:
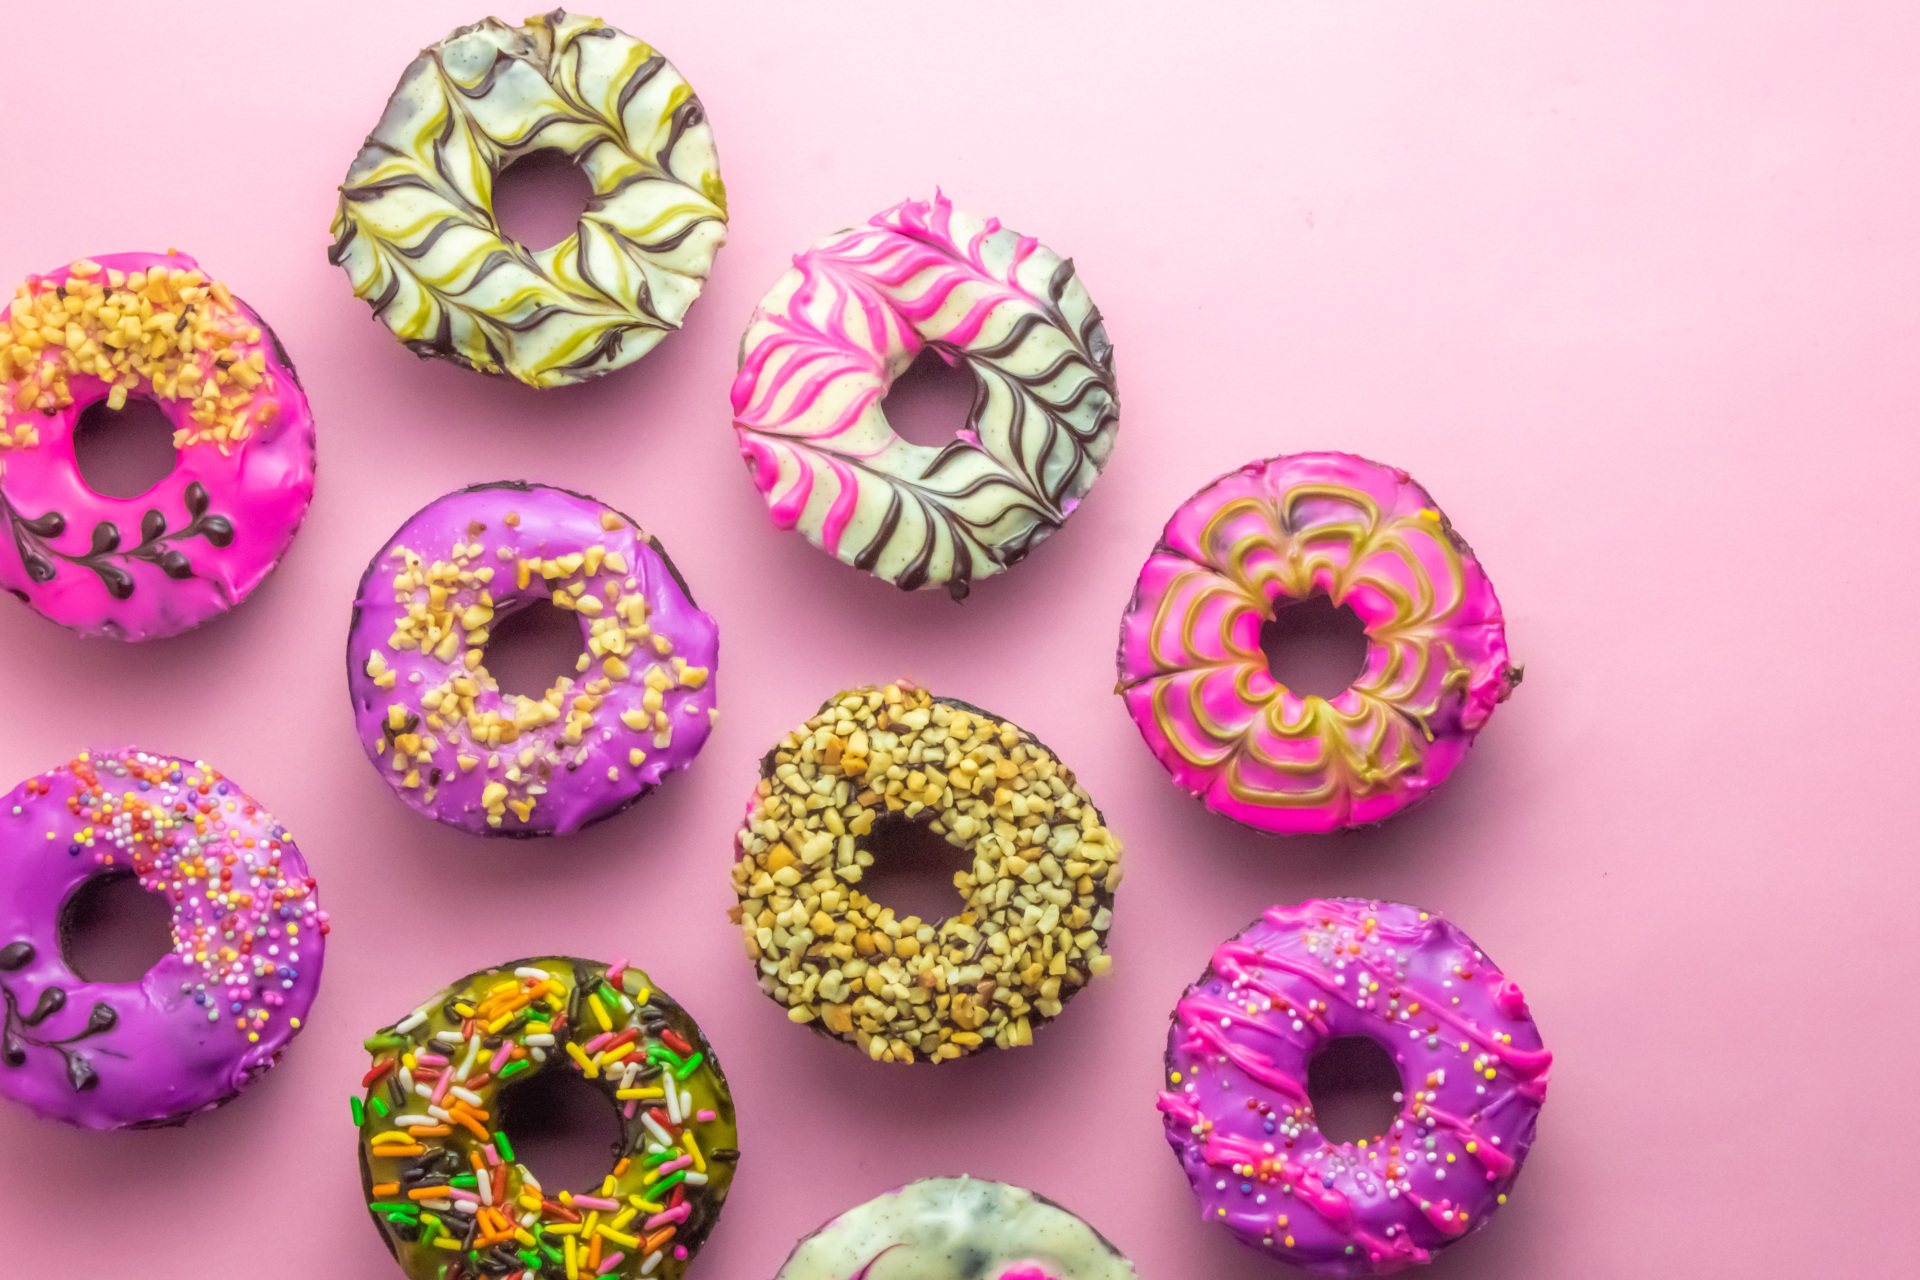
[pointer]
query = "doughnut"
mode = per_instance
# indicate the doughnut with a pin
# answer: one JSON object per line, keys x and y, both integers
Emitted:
{"x": 956, "y": 1229}
{"x": 416, "y": 231}
{"x": 153, "y": 327}
{"x": 1268, "y": 536}
{"x": 438, "y": 727}
{"x": 450, "y": 1196}
{"x": 849, "y": 317}
{"x": 1033, "y": 912}
{"x": 214, "y": 1013}
{"x": 1236, "y": 1105}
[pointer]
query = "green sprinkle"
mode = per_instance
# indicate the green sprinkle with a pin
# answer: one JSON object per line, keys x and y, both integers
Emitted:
{"x": 519, "y": 1066}
{"x": 359, "y": 1112}
{"x": 379, "y": 1108}
{"x": 464, "y": 1180}
{"x": 607, "y": 994}
{"x": 529, "y": 1257}
{"x": 691, "y": 1065}
{"x": 661, "y": 1157}
{"x": 660, "y": 1053}
{"x": 666, "y": 1183}
{"x": 505, "y": 1148}
{"x": 389, "y": 1206}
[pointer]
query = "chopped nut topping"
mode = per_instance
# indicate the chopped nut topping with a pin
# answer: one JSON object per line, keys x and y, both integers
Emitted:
{"x": 1036, "y": 901}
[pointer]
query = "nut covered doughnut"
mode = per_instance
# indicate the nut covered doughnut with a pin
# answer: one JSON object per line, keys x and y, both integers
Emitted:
{"x": 1267, "y": 536}
{"x": 152, "y": 327}
{"x": 1035, "y": 905}
{"x": 209, "y": 1017}
{"x": 1473, "y": 1075}
{"x": 416, "y": 231}
{"x": 449, "y": 1194}
{"x": 956, "y": 1229}
{"x": 457, "y": 748}
{"x": 836, "y": 330}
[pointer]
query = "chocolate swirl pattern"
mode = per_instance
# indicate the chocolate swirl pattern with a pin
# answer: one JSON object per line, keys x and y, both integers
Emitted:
{"x": 851, "y": 315}
{"x": 416, "y": 232}
{"x": 1275, "y": 532}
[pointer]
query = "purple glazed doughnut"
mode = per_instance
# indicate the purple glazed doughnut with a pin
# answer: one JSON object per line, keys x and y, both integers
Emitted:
{"x": 248, "y": 941}
{"x": 1263, "y": 538}
{"x": 154, "y": 327}
{"x": 436, "y": 723}
{"x": 1472, "y": 1069}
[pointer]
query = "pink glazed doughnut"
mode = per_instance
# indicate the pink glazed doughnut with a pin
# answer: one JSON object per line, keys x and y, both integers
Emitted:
{"x": 149, "y": 326}
{"x": 1272, "y": 534}
{"x": 833, "y": 333}
{"x": 248, "y": 941}
{"x": 1472, "y": 1070}
{"x": 436, "y": 724}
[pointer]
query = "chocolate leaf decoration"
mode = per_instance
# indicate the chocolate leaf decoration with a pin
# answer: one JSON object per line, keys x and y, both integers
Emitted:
{"x": 51, "y": 1001}
{"x": 197, "y": 500}
{"x": 80, "y": 1072}
{"x": 101, "y": 1019}
{"x": 119, "y": 582}
{"x": 218, "y": 530}
{"x": 152, "y": 525}
{"x": 14, "y": 1051}
{"x": 16, "y": 955}
{"x": 106, "y": 537}
{"x": 39, "y": 568}
{"x": 175, "y": 565}
{"x": 50, "y": 525}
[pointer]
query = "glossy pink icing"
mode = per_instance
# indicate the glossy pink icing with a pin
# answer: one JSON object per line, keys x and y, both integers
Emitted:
{"x": 247, "y": 927}
{"x": 1472, "y": 1067}
{"x": 829, "y": 338}
{"x": 1277, "y": 531}
{"x": 259, "y": 487}
{"x": 572, "y": 778}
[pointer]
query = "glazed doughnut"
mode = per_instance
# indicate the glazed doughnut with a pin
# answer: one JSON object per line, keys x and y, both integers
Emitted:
{"x": 1267, "y": 536}
{"x": 1034, "y": 910}
{"x": 444, "y": 1184}
{"x": 416, "y": 231}
{"x": 836, "y": 330}
{"x": 1472, "y": 1068}
{"x": 956, "y": 1229}
{"x": 447, "y": 739}
{"x": 209, "y": 1017}
{"x": 146, "y": 326}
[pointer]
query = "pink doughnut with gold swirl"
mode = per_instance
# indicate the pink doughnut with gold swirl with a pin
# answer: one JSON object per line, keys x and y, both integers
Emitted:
{"x": 1270, "y": 535}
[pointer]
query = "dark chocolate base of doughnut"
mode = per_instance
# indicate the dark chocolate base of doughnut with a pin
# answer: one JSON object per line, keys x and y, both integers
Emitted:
{"x": 518, "y": 486}
{"x": 1102, "y": 897}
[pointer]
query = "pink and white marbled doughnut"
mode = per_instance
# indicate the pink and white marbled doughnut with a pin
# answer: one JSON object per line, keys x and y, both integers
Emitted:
{"x": 1270, "y": 535}
{"x": 834, "y": 332}
{"x": 1473, "y": 1074}
{"x": 150, "y": 326}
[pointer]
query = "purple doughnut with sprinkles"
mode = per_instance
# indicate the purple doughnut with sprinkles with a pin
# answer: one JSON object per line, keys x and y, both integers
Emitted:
{"x": 150, "y": 326}
{"x": 215, "y": 1012}
{"x": 1472, "y": 1068}
{"x": 443, "y": 734}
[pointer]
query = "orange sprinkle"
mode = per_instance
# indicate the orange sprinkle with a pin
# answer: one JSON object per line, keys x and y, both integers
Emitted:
{"x": 386, "y": 1189}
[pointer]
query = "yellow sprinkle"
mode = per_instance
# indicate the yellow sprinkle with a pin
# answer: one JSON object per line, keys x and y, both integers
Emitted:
{"x": 586, "y": 1064}
{"x": 599, "y": 1012}
{"x": 627, "y": 1094}
{"x": 625, "y": 1242}
{"x": 693, "y": 1149}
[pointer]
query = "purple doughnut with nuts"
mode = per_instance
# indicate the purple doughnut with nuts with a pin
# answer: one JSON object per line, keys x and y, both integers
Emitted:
{"x": 437, "y": 725}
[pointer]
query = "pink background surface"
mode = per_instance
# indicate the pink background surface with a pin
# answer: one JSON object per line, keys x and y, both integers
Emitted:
{"x": 1631, "y": 287}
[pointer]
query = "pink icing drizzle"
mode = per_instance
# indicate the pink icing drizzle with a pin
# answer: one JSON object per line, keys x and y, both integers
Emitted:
{"x": 1271, "y": 998}
{"x": 1196, "y": 681}
{"x": 261, "y": 485}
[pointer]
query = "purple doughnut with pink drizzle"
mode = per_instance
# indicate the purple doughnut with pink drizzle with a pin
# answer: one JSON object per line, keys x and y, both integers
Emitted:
{"x": 1472, "y": 1068}
{"x": 436, "y": 724}
{"x": 151, "y": 326}
{"x": 211, "y": 1016}
{"x": 833, "y": 333}
{"x": 1264, "y": 538}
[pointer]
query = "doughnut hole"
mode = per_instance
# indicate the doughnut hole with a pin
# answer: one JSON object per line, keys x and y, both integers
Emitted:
{"x": 122, "y": 453}
{"x": 539, "y": 198}
{"x": 913, "y": 869}
{"x": 562, "y": 1128}
{"x": 1313, "y": 646}
{"x": 530, "y": 649}
{"x": 1351, "y": 1082}
{"x": 112, "y": 930}
{"x": 929, "y": 403}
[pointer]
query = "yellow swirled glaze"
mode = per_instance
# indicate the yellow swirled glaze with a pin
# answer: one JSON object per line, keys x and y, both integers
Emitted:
{"x": 415, "y": 229}
{"x": 1196, "y": 681}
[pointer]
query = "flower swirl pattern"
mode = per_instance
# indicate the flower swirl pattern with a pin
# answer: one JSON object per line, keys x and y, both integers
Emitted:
{"x": 850, "y": 316}
{"x": 416, "y": 232}
{"x": 1196, "y": 681}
